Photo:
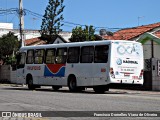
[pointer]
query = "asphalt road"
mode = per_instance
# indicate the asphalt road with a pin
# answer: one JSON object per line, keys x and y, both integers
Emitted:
{"x": 19, "y": 98}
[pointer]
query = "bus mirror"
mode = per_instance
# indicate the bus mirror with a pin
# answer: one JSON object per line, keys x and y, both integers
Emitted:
{"x": 18, "y": 58}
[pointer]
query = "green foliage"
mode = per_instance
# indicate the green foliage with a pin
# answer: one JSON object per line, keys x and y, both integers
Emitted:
{"x": 52, "y": 18}
{"x": 8, "y": 44}
{"x": 10, "y": 60}
{"x": 79, "y": 34}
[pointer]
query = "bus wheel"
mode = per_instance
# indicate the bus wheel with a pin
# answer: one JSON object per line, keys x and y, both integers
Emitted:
{"x": 54, "y": 87}
{"x": 30, "y": 84}
{"x": 72, "y": 84}
{"x": 101, "y": 89}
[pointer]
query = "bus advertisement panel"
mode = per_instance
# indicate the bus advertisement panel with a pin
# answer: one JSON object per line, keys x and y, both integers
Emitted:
{"x": 127, "y": 62}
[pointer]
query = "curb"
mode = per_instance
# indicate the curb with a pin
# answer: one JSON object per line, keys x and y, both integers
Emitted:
{"x": 12, "y": 85}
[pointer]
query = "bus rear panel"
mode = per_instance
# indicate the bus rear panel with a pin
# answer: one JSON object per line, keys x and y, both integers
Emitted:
{"x": 126, "y": 64}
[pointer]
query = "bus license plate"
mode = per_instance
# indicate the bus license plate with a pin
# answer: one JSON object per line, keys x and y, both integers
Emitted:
{"x": 126, "y": 74}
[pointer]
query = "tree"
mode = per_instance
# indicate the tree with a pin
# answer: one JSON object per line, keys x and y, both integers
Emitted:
{"x": 89, "y": 31}
{"x": 8, "y": 44}
{"x": 52, "y": 18}
{"x": 79, "y": 34}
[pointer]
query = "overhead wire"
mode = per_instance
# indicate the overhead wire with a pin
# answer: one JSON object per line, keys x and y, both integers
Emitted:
{"x": 3, "y": 12}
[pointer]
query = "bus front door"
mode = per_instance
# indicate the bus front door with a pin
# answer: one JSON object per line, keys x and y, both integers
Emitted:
{"x": 20, "y": 68}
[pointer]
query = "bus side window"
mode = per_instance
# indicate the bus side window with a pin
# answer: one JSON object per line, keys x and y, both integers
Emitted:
{"x": 30, "y": 56}
{"x": 50, "y": 56}
{"x": 73, "y": 55}
{"x": 21, "y": 60}
{"x": 87, "y": 54}
{"x": 101, "y": 54}
{"x": 39, "y": 55}
{"x": 61, "y": 55}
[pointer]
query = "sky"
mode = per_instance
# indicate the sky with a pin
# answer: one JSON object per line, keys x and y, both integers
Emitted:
{"x": 110, "y": 14}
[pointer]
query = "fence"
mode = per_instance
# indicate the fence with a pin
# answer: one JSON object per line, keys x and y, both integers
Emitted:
{"x": 7, "y": 75}
{"x": 155, "y": 74}
{"x": 147, "y": 85}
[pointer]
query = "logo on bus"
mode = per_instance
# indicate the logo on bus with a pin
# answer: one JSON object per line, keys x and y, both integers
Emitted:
{"x": 119, "y": 61}
{"x": 54, "y": 70}
{"x": 130, "y": 61}
{"x": 33, "y": 67}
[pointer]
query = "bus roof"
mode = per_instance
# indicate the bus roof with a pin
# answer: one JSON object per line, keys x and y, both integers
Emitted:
{"x": 74, "y": 44}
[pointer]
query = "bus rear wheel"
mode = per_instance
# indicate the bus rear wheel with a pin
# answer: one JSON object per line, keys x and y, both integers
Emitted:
{"x": 101, "y": 89}
{"x": 72, "y": 84}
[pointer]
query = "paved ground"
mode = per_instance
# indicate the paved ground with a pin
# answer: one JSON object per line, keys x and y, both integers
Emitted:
{"x": 19, "y": 98}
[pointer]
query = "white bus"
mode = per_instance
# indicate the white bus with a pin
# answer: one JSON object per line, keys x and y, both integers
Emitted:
{"x": 80, "y": 65}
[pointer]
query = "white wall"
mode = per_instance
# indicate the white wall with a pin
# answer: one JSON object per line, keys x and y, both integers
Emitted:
{"x": 147, "y": 50}
{"x": 28, "y": 34}
{"x": 5, "y": 73}
{"x": 156, "y": 50}
{"x": 147, "y": 47}
{"x": 6, "y": 25}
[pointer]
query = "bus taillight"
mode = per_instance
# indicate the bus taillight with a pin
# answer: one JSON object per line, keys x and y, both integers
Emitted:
{"x": 141, "y": 74}
{"x": 112, "y": 73}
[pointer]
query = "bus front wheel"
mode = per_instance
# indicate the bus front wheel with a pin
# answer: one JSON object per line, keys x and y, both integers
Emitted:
{"x": 72, "y": 84}
{"x": 30, "y": 84}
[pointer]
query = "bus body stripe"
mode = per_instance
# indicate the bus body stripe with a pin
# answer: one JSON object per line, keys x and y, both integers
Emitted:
{"x": 55, "y": 70}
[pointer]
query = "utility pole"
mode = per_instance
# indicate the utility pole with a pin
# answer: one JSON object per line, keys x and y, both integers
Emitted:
{"x": 21, "y": 19}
